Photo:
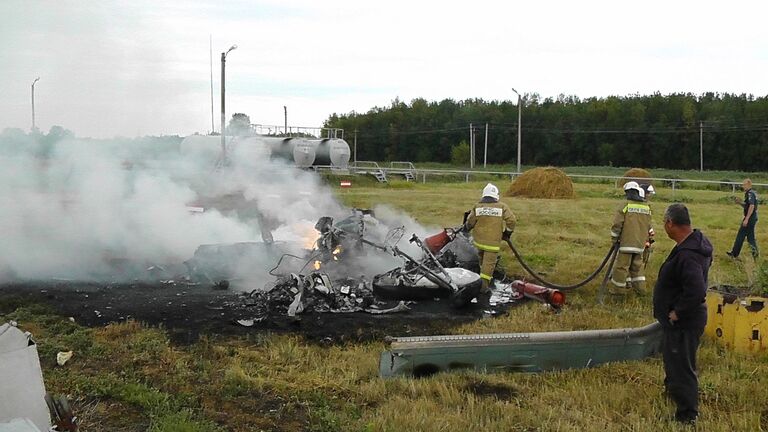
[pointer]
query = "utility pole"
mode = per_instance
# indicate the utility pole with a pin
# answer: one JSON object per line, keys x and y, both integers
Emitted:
{"x": 355, "y": 147}
{"x": 471, "y": 146}
{"x": 285, "y": 110}
{"x": 223, "y": 110}
{"x": 701, "y": 146}
{"x": 210, "y": 52}
{"x": 485, "y": 154}
{"x": 34, "y": 128}
{"x": 519, "y": 126}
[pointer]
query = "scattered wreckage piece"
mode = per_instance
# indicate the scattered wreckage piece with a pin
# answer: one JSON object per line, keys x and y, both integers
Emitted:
{"x": 550, "y": 296}
{"x": 517, "y": 352}
{"x": 401, "y": 307}
{"x": 298, "y": 294}
{"x": 346, "y": 239}
{"x": 220, "y": 264}
{"x": 448, "y": 268}
{"x": 23, "y": 401}
{"x": 411, "y": 283}
{"x": 19, "y": 425}
{"x": 63, "y": 417}
{"x": 453, "y": 247}
{"x": 21, "y": 378}
{"x": 432, "y": 276}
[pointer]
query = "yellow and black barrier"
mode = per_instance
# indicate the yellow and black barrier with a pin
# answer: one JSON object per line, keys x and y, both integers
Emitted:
{"x": 738, "y": 323}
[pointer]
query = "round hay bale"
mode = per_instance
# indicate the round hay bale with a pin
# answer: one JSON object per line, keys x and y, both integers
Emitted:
{"x": 634, "y": 174}
{"x": 542, "y": 182}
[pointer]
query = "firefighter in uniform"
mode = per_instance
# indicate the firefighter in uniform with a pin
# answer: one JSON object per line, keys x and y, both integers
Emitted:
{"x": 490, "y": 221}
{"x": 632, "y": 229}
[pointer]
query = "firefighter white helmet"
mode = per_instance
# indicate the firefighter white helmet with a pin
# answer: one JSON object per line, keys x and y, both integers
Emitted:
{"x": 490, "y": 190}
{"x": 633, "y": 185}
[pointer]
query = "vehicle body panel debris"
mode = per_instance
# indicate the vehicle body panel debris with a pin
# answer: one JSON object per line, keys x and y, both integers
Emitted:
{"x": 21, "y": 379}
{"x": 401, "y": 307}
{"x": 517, "y": 352}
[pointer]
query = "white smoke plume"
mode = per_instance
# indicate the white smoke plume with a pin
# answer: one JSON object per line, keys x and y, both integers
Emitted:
{"x": 96, "y": 210}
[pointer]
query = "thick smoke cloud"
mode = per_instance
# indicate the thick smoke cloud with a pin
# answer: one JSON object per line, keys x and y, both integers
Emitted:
{"x": 101, "y": 210}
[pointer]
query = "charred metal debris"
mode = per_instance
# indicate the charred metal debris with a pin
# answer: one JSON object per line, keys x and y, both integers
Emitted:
{"x": 324, "y": 280}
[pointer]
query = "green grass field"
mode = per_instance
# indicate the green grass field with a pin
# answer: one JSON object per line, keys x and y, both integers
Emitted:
{"x": 129, "y": 377}
{"x": 712, "y": 175}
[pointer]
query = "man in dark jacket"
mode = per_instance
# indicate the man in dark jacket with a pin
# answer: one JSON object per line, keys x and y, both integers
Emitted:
{"x": 678, "y": 304}
{"x": 747, "y": 228}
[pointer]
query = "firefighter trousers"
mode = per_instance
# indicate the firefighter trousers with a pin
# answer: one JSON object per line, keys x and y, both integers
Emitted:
{"x": 628, "y": 272}
{"x": 487, "y": 266}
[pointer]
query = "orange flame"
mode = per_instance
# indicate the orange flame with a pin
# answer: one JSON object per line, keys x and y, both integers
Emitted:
{"x": 307, "y": 234}
{"x": 317, "y": 265}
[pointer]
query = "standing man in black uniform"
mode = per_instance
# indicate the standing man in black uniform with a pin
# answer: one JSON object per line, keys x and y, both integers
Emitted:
{"x": 678, "y": 304}
{"x": 747, "y": 228}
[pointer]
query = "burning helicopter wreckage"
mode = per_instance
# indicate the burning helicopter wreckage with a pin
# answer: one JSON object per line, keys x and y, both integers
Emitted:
{"x": 324, "y": 278}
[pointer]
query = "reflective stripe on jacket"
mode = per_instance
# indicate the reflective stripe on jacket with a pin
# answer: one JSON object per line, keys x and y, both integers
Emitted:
{"x": 488, "y": 221}
{"x": 632, "y": 224}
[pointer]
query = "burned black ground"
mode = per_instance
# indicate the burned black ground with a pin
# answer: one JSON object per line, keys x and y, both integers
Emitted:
{"x": 186, "y": 312}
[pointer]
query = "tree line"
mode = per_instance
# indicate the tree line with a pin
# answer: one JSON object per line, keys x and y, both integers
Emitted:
{"x": 653, "y": 131}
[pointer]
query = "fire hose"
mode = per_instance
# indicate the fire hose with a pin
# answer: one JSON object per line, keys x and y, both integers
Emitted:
{"x": 610, "y": 256}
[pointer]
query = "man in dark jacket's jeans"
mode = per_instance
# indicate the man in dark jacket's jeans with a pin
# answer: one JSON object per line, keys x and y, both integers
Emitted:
{"x": 678, "y": 304}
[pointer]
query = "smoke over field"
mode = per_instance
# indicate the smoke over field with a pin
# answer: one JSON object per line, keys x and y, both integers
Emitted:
{"x": 83, "y": 209}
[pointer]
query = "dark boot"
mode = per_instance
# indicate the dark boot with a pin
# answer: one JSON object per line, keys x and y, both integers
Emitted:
{"x": 464, "y": 296}
{"x": 484, "y": 300}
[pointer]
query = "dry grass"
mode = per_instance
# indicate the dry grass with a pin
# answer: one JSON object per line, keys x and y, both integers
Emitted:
{"x": 268, "y": 382}
{"x": 542, "y": 182}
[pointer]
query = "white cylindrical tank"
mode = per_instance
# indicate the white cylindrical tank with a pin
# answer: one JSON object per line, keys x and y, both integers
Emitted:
{"x": 249, "y": 149}
{"x": 301, "y": 151}
{"x": 304, "y": 153}
{"x": 281, "y": 148}
{"x": 297, "y": 150}
{"x": 333, "y": 152}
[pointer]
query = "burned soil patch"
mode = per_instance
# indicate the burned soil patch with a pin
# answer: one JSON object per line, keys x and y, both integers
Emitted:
{"x": 498, "y": 391}
{"x": 259, "y": 412}
{"x": 186, "y": 312}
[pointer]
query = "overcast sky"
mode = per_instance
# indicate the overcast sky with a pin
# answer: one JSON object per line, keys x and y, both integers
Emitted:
{"x": 141, "y": 67}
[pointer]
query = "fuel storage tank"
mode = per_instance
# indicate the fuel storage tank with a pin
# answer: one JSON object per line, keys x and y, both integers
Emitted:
{"x": 208, "y": 148}
{"x": 300, "y": 151}
{"x": 331, "y": 152}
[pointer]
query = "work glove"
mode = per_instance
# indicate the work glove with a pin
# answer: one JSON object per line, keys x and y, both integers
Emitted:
{"x": 647, "y": 254}
{"x": 648, "y": 250}
{"x": 506, "y": 235}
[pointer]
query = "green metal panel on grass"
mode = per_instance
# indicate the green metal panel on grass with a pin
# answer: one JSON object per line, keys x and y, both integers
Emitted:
{"x": 517, "y": 352}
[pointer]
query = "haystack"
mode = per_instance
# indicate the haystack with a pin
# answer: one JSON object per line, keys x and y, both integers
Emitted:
{"x": 542, "y": 182}
{"x": 635, "y": 174}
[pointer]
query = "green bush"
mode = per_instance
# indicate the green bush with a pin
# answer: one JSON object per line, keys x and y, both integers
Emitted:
{"x": 460, "y": 154}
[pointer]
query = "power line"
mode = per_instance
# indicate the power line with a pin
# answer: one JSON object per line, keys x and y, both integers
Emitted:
{"x": 632, "y": 131}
